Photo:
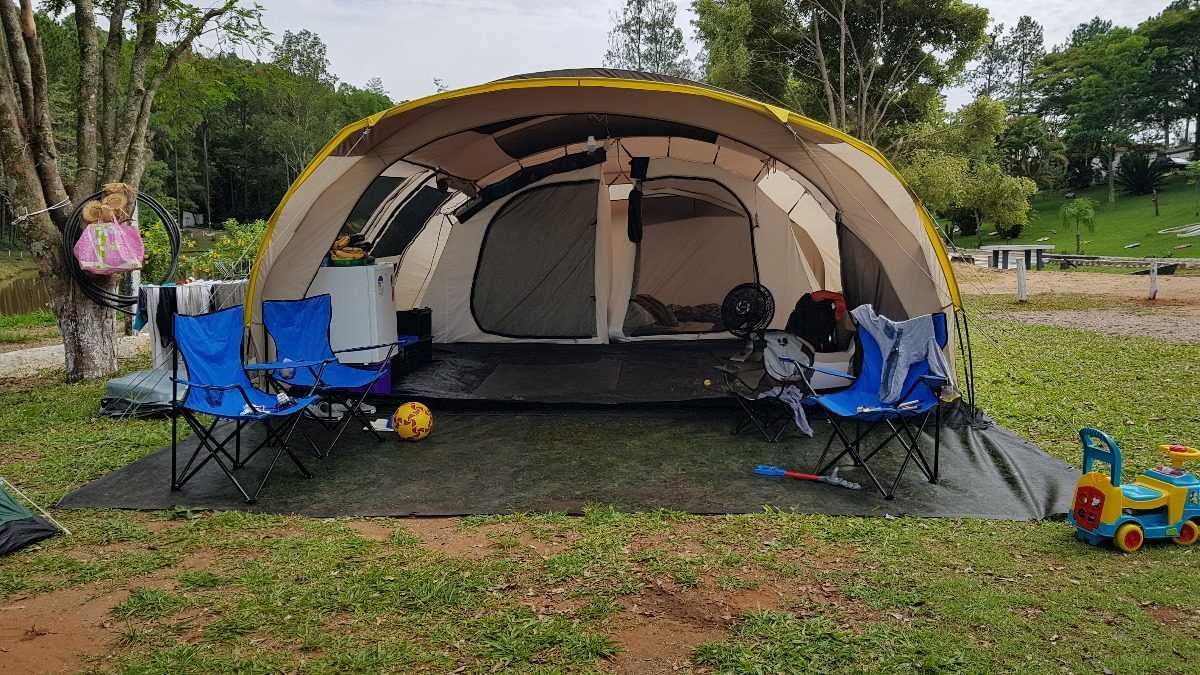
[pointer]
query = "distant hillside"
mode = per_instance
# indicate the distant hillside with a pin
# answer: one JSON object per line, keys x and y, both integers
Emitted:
{"x": 1130, "y": 220}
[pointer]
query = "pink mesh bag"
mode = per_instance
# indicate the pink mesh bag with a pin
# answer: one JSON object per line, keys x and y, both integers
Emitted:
{"x": 107, "y": 248}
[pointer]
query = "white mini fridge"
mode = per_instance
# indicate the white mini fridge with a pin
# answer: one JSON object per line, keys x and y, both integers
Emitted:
{"x": 363, "y": 313}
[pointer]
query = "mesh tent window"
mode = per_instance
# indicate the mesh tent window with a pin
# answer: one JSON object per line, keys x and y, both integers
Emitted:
{"x": 536, "y": 272}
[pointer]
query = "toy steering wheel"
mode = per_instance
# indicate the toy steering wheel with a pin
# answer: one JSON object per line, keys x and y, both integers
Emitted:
{"x": 1179, "y": 454}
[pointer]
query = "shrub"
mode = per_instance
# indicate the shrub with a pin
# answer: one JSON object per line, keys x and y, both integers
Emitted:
{"x": 963, "y": 219}
{"x": 1138, "y": 175}
{"x": 232, "y": 253}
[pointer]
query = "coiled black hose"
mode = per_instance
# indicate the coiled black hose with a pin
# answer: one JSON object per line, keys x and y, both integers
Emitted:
{"x": 95, "y": 291}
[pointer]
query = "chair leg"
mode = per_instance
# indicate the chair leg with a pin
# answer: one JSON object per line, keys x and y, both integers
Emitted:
{"x": 851, "y": 449}
{"x": 283, "y": 448}
{"x": 206, "y": 442}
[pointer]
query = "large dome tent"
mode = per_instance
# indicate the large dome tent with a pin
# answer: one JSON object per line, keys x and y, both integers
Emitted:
{"x": 564, "y": 207}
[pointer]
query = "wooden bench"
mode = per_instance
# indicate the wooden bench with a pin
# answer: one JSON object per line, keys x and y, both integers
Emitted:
{"x": 999, "y": 254}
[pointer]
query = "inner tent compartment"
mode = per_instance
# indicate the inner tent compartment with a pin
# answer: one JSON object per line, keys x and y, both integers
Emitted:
{"x": 627, "y": 239}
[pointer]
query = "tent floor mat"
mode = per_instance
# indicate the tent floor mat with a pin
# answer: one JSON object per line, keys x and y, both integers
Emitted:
{"x": 497, "y": 462}
{"x": 635, "y": 372}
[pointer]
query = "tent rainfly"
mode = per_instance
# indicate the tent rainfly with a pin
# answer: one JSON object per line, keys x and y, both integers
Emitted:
{"x": 602, "y": 206}
{"x": 19, "y": 527}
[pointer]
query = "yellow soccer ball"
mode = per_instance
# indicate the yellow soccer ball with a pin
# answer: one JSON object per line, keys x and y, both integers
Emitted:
{"x": 412, "y": 421}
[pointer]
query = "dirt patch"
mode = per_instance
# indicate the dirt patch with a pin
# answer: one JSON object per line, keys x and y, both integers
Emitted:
{"x": 981, "y": 281}
{"x": 375, "y": 530}
{"x": 1171, "y": 616}
{"x": 443, "y": 535}
{"x": 1178, "y": 325}
{"x": 58, "y": 632}
{"x": 660, "y": 646}
{"x": 661, "y": 626}
{"x": 55, "y": 632}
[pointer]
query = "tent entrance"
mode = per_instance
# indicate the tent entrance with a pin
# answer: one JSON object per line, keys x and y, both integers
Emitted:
{"x": 697, "y": 242}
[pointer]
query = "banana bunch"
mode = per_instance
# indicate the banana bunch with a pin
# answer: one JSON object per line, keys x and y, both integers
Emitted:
{"x": 347, "y": 248}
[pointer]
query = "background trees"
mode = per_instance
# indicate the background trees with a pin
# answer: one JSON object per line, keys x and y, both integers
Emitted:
{"x": 863, "y": 66}
{"x": 219, "y": 135}
{"x": 644, "y": 37}
{"x": 103, "y": 100}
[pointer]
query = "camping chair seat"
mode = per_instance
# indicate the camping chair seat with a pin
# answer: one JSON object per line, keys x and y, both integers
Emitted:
{"x": 860, "y": 403}
{"x": 300, "y": 331}
{"x": 217, "y": 386}
{"x": 787, "y": 361}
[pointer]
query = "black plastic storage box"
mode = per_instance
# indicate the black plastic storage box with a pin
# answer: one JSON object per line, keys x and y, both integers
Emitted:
{"x": 418, "y": 322}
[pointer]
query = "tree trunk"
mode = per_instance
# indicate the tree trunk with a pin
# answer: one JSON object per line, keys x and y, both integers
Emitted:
{"x": 207, "y": 184}
{"x": 1078, "y": 245}
{"x": 1112, "y": 177}
{"x": 88, "y": 330}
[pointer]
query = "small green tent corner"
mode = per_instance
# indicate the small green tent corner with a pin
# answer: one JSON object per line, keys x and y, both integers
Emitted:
{"x": 19, "y": 527}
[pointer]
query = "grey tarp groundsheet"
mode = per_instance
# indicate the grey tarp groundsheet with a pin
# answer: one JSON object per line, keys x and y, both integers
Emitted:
{"x": 644, "y": 372}
{"x": 491, "y": 462}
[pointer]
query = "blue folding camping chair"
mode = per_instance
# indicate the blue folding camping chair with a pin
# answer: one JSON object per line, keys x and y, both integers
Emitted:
{"x": 918, "y": 404}
{"x": 217, "y": 386}
{"x": 300, "y": 330}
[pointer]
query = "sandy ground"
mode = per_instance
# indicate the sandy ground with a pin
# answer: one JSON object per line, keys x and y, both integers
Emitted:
{"x": 28, "y": 361}
{"x": 1171, "y": 290}
{"x": 1173, "y": 316}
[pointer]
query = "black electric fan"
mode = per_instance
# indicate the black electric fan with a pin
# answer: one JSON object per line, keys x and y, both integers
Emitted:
{"x": 746, "y": 312}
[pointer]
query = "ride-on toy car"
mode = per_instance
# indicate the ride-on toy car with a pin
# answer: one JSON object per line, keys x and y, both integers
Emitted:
{"x": 1162, "y": 503}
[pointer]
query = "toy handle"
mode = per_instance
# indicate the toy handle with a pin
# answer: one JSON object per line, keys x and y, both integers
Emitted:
{"x": 1179, "y": 453}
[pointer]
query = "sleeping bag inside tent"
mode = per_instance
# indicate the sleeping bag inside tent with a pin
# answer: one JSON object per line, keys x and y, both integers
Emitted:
{"x": 574, "y": 233}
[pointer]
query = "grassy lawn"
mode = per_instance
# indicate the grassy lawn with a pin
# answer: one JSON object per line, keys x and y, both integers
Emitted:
{"x": 31, "y": 328}
{"x": 1130, "y": 220}
{"x": 773, "y": 592}
{"x": 15, "y": 264}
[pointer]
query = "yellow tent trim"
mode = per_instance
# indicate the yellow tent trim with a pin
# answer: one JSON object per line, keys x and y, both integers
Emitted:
{"x": 775, "y": 112}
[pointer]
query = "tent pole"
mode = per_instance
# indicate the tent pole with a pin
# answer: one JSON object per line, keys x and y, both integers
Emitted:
{"x": 5, "y": 482}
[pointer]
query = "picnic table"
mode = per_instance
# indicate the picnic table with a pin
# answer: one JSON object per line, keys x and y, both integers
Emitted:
{"x": 1000, "y": 252}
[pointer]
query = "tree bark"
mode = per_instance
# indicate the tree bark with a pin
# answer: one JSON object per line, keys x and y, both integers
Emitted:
{"x": 1112, "y": 177}
{"x": 109, "y": 101}
{"x": 207, "y": 182}
{"x": 86, "y": 146}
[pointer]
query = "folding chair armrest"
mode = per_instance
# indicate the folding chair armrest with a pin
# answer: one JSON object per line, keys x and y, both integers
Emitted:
{"x": 217, "y": 387}
{"x": 934, "y": 382}
{"x": 197, "y": 385}
{"x": 402, "y": 341}
{"x": 282, "y": 365}
{"x": 834, "y": 373}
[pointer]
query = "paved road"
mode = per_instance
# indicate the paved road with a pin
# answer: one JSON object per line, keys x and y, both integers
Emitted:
{"x": 29, "y": 361}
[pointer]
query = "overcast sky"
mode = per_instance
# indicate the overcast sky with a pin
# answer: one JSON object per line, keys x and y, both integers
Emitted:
{"x": 408, "y": 43}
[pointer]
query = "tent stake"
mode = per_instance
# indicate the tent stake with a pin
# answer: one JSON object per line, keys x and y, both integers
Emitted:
{"x": 5, "y": 482}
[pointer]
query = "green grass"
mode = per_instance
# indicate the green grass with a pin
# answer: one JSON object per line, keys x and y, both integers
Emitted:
{"x": 28, "y": 328}
{"x": 15, "y": 264}
{"x": 234, "y": 592}
{"x": 1130, "y": 220}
